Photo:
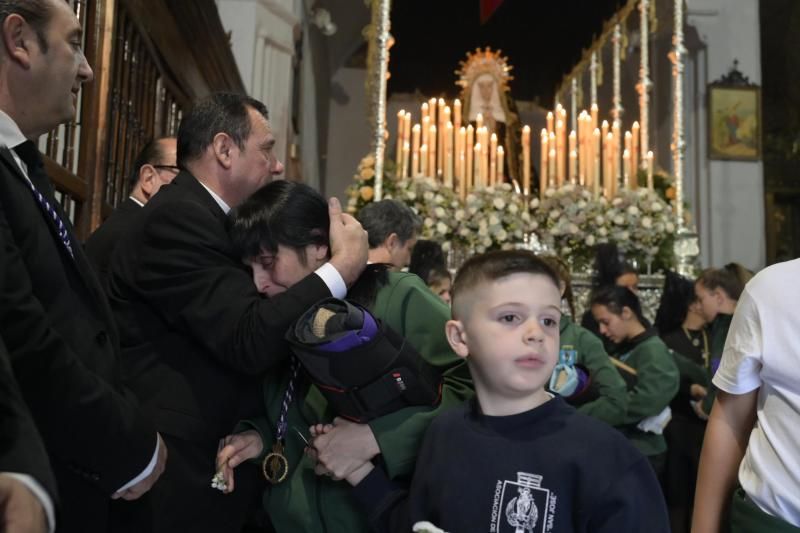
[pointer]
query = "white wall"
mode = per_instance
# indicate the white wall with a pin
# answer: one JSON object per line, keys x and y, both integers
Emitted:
{"x": 263, "y": 45}
{"x": 730, "y": 193}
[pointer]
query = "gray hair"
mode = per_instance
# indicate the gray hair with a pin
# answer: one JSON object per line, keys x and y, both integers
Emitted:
{"x": 383, "y": 218}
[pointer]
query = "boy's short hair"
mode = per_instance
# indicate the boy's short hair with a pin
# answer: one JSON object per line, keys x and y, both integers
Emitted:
{"x": 492, "y": 266}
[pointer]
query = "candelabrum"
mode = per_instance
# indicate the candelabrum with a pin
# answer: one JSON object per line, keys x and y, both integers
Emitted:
{"x": 686, "y": 248}
{"x": 379, "y": 62}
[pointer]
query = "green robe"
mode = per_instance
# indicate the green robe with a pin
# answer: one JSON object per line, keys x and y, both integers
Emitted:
{"x": 610, "y": 406}
{"x": 719, "y": 332}
{"x": 657, "y": 382}
{"x": 305, "y": 502}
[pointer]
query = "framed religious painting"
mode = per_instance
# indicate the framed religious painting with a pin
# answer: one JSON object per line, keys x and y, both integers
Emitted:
{"x": 734, "y": 122}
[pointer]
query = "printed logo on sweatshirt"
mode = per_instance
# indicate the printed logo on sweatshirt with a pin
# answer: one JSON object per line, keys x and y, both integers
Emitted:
{"x": 522, "y": 506}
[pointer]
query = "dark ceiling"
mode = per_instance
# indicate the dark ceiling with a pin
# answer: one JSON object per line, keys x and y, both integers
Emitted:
{"x": 543, "y": 40}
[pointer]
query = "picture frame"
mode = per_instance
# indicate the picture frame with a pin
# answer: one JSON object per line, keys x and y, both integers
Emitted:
{"x": 734, "y": 121}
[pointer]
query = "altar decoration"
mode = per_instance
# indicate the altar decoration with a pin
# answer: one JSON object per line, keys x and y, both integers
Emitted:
{"x": 440, "y": 210}
{"x": 362, "y": 191}
{"x": 495, "y": 218}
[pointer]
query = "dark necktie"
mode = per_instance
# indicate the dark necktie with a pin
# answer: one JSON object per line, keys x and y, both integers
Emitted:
{"x": 30, "y": 155}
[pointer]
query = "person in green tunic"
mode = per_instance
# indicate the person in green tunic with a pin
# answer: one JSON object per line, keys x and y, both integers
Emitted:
{"x": 718, "y": 290}
{"x": 281, "y": 233}
{"x": 607, "y": 397}
{"x": 645, "y": 356}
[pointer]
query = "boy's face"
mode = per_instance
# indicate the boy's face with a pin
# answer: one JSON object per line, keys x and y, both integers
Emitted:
{"x": 508, "y": 330}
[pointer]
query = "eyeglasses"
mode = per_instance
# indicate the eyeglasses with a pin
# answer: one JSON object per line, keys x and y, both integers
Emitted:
{"x": 171, "y": 168}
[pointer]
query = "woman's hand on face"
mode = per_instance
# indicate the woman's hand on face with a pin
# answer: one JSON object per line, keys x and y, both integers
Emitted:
{"x": 234, "y": 450}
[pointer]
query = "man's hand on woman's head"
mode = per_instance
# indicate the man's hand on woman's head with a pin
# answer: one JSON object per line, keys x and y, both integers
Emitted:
{"x": 349, "y": 245}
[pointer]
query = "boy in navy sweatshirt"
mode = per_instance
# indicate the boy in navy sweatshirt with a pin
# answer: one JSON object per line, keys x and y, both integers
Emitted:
{"x": 516, "y": 458}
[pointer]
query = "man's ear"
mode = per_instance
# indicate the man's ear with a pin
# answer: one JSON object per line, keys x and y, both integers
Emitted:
{"x": 392, "y": 241}
{"x": 17, "y": 35}
{"x": 223, "y": 147}
{"x": 147, "y": 176}
{"x": 457, "y": 337}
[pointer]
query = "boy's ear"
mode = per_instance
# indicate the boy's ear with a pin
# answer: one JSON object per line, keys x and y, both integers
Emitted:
{"x": 626, "y": 313}
{"x": 457, "y": 337}
{"x": 392, "y": 241}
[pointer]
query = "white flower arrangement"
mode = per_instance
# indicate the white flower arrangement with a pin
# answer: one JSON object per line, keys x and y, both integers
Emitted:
{"x": 437, "y": 205}
{"x": 496, "y": 218}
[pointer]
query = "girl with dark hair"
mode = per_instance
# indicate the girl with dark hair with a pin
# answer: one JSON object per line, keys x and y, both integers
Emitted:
{"x": 681, "y": 325}
{"x": 281, "y": 232}
{"x": 645, "y": 357}
{"x": 718, "y": 291}
{"x": 429, "y": 263}
{"x": 605, "y": 398}
{"x": 610, "y": 268}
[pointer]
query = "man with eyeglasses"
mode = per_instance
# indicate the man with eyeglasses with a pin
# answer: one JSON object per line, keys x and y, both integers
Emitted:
{"x": 155, "y": 166}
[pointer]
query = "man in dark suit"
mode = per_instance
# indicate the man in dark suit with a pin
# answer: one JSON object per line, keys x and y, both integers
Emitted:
{"x": 154, "y": 167}
{"x": 56, "y": 323}
{"x": 27, "y": 486}
{"x": 196, "y": 334}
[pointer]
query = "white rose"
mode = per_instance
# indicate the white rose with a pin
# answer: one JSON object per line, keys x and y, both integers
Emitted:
{"x": 616, "y": 201}
{"x": 487, "y": 241}
{"x": 599, "y": 219}
{"x": 670, "y": 227}
{"x": 572, "y": 228}
{"x": 464, "y": 232}
{"x": 446, "y": 246}
{"x": 483, "y": 230}
{"x": 429, "y": 222}
{"x": 525, "y": 216}
{"x": 534, "y": 203}
{"x": 633, "y": 210}
{"x": 589, "y": 240}
{"x": 501, "y": 235}
{"x": 534, "y": 224}
{"x": 439, "y": 199}
{"x": 512, "y": 208}
{"x": 440, "y": 212}
{"x": 647, "y": 222}
{"x": 411, "y": 195}
{"x": 554, "y": 214}
{"x": 428, "y": 195}
{"x": 602, "y": 232}
{"x": 494, "y": 220}
{"x": 581, "y": 204}
{"x": 499, "y": 203}
{"x": 619, "y": 220}
{"x": 550, "y": 192}
{"x": 441, "y": 227}
{"x": 656, "y": 206}
{"x": 623, "y": 235}
{"x": 459, "y": 214}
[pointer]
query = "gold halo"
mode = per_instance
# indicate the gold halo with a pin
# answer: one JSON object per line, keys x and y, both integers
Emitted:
{"x": 484, "y": 61}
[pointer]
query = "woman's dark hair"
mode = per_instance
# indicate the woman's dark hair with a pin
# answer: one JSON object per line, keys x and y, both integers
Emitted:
{"x": 427, "y": 257}
{"x": 282, "y": 212}
{"x": 731, "y": 278}
{"x": 616, "y": 298}
{"x": 677, "y": 296}
{"x": 609, "y": 264}
{"x": 562, "y": 270}
{"x": 293, "y": 215}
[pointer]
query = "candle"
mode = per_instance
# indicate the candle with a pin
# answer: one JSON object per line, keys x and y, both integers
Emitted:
{"x": 432, "y": 114}
{"x": 423, "y": 159}
{"x": 501, "y": 157}
{"x": 608, "y": 171}
{"x": 478, "y": 121}
{"x": 401, "y": 118}
{"x": 415, "y": 171}
{"x": 551, "y": 173}
{"x": 596, "y": 153}
{"x": 457, "y": 114}
{"x": 635, "y": 148}
{"x": 492, "y": 159}
{"x": 650, "y": 170}
{"x": 626, "y": 170}
{"x": 526, "y": 159}
{"x": 407, "y": 127}
{"x": 448, "y": 160}
{"x": 477, "y": 166}
{"x": 468, "y": 156}
{"x": 432, "y": 151}
{"x": 560, "y": 151}
{"x": 542, "y": 163}
{"x": 406, "y": 150}
{"x": 594, "y": 111}
{"x": 549, "y": 122}
{"x": 617, "y": 153}
{"x": 573, "y": 163}
{"x": 461, "y": 141}
{"x": 440, "y": 141}
{"x": 424, "y": 112}
{"x": 572, "y": 151}
{"x": 426, "y": 127}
